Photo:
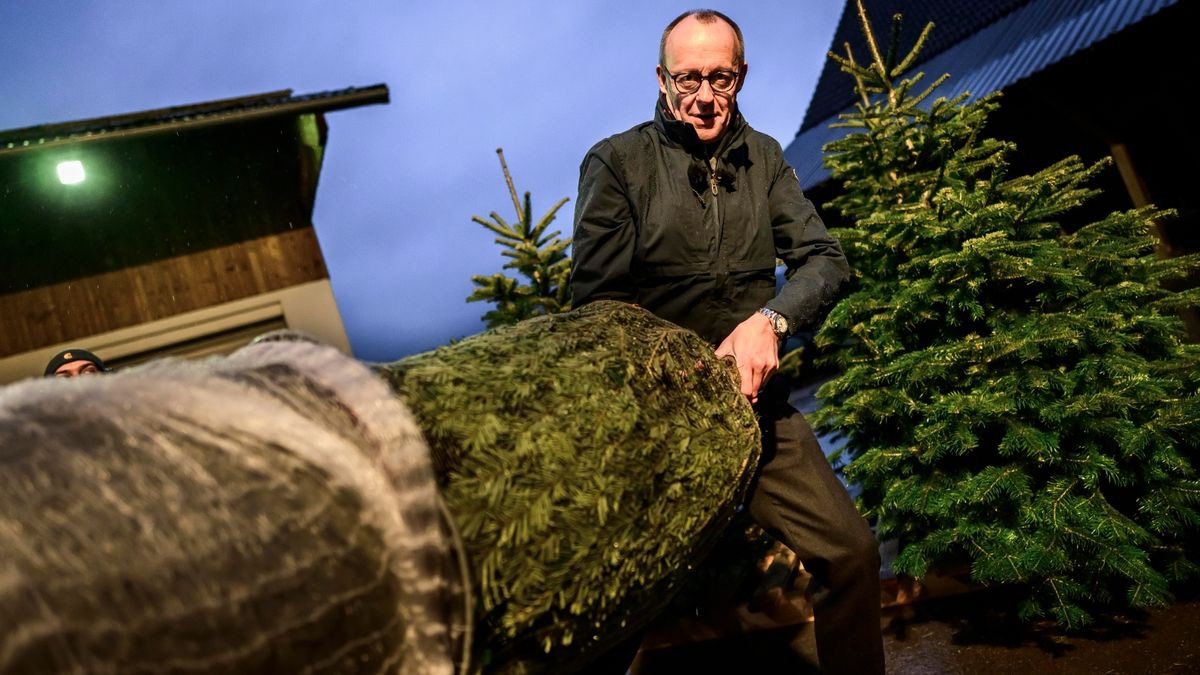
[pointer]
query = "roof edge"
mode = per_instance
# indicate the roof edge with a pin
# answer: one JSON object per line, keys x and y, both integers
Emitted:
{"x": 209, "y": 113}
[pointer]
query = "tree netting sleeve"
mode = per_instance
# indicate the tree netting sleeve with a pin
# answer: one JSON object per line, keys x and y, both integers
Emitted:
{"x": 271, "y": 512}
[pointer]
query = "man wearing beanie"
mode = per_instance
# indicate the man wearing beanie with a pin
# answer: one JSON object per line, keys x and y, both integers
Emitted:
{"x": 73, "y": 363}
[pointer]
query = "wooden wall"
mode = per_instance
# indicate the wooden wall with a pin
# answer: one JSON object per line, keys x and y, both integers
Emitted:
{"x": 152, "y": 197}
{"x": 43, "y": 316}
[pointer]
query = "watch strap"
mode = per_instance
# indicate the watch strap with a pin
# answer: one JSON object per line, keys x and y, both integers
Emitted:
{"x": 779, "y": 322}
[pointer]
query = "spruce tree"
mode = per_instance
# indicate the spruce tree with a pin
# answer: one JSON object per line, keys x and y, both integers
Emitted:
{"x": 1015, "y": 393}
{"x": 590, "y": 459}
{"x": 538, "y": 257}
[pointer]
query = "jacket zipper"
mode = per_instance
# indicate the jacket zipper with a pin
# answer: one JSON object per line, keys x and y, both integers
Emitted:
{"x": 712, "y": 183}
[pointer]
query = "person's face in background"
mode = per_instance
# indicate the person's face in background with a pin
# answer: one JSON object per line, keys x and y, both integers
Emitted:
{"x": 76, "y": 368}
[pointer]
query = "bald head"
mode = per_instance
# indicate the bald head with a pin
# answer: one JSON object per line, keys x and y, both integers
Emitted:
{"x": 704, "y": 16}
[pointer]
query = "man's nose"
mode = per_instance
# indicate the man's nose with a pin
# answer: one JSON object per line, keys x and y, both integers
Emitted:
{"x": 705, "y": 93}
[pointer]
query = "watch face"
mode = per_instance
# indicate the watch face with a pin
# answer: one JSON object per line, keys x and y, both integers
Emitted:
{"x": 780, "y": 324}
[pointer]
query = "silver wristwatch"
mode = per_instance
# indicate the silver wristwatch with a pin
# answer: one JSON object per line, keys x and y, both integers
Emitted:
{"x": 779, "y": 322}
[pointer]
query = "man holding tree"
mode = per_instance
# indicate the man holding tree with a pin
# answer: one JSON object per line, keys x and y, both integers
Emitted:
{"x": 686, "y": 215}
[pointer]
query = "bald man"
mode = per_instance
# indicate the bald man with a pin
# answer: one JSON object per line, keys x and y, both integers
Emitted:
{"x": 686, "y": 216}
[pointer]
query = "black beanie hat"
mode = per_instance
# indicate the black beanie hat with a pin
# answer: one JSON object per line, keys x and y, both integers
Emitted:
{"x": 69, "y": 355}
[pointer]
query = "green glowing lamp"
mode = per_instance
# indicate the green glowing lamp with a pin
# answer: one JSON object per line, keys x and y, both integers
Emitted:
{"x": 71, "y": 172}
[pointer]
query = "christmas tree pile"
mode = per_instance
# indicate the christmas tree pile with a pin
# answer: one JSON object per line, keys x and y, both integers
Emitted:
{"x": 589, "y": 458}
{"x": 1016, "y": 394}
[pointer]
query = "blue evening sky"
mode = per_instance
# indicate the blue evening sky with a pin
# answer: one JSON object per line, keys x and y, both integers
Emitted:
{"x": 544, "y": 80}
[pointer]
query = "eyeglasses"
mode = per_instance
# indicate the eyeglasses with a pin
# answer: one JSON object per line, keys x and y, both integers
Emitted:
{"x": 721, "y": 81}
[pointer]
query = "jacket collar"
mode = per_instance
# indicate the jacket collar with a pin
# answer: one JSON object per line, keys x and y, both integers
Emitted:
{"x": 684, "y": 135}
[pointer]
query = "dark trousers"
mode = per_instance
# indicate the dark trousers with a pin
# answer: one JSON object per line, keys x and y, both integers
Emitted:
{"x": 798, "y": 499}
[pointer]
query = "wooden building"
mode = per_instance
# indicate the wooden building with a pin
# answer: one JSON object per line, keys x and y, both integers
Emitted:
{"x": 185, "y": 230}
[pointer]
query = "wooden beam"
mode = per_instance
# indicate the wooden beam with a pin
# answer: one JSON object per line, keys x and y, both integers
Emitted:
{"x": 1139, "y": 193}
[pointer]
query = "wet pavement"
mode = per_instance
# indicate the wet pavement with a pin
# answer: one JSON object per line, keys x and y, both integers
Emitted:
{"x": 962, "y": 634}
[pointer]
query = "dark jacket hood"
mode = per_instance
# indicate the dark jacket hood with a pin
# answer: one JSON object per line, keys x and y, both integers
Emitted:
{"x": 730, "y": 149}
{"x": 684, "y": 135}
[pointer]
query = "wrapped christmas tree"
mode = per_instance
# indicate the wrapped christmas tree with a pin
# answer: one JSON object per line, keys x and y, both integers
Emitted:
{"x": 590, "y": 458}
{"x": 1015, "y": 391}
{"x": 278, "y": 510}
{"x": 270, "y": 512}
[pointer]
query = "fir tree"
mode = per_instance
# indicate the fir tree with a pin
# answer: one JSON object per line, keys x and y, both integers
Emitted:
{"x": 539, "y": 257}
{"x": 590, "y": 458}
{"x": 1015, "y": 395}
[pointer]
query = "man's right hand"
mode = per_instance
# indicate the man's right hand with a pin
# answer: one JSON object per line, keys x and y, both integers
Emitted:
{"x": 755, "y": 347}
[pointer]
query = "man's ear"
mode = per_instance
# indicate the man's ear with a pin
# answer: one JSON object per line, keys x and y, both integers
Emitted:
{"x": 742, "y": 76}
{"x": 662, "y": 79}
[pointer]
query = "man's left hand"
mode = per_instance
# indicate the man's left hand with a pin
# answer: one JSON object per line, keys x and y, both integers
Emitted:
{"x": 756, "y": 349}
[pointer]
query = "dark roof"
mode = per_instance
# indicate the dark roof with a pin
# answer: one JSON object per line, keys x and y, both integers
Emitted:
{"x": 953, "y": 19}
{"x": 257, "y": 106}
{"x": 1032, "y": 36}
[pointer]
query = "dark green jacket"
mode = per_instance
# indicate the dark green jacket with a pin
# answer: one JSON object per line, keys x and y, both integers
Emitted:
{"x": 656, "y": 225}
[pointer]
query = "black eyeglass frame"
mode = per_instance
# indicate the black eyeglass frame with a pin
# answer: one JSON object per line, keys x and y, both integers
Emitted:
{"x": 701, "y": 79}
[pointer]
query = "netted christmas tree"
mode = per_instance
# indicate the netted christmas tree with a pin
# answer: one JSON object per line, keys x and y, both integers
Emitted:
{"x": 1015, "y": 391}
{"x": 539, "y": 257}
{"x": 590, "y": 458}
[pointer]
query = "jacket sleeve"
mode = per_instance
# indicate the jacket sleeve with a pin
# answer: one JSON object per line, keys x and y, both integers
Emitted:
{"x": 604, "y": 235}
{"x": 816, "y": 268}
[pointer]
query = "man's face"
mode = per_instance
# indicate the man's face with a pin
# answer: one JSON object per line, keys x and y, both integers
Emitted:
{"x": 76, "y": 368}
{"x": 701, "y": 49}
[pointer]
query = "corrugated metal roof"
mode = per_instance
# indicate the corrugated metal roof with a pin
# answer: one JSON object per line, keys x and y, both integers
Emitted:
{"x": 223, "y": 111}
{"x": 955, "y": 20}
{"x": 1009, "y": 50}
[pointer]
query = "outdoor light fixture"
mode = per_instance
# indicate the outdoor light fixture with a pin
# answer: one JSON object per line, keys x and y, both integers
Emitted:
{"x": 70, "y": 172}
